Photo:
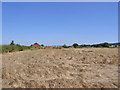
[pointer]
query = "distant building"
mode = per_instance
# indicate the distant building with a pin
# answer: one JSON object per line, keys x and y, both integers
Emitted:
{"x": 35, "y": 45}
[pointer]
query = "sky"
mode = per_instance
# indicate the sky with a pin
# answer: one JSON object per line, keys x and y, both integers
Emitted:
{"x": 58, "y": 23}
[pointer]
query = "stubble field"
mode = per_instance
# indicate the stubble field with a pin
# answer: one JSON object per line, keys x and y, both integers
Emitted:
{"x": 61, "y": 68}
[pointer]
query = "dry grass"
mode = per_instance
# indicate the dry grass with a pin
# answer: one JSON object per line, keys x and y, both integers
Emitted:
{"x": 64, "y": 68}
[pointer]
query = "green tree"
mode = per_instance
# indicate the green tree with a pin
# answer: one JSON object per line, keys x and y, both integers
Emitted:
{"x": 12, "y": 43}
{"x": 42, "y": 45}
{"x": 105, "y": 44}
{"x": 75, "y": 45}
{"x": 65, "y": 46}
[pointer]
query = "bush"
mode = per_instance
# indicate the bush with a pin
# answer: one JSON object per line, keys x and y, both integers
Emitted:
{"x": 12, "y": 43}
{"x": 65, "y": 46}
{"x": 75, "y": 45}
{"x": 105, "y": 45}
{"x": 101, "y": 45}
{"x": 42, "y": 45}
{"x": 13, "y": 48}
{"x": 20, "y": 48}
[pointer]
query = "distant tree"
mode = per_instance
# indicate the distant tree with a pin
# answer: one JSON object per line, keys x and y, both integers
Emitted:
{"x": 65, "y": 46}
{"x": 12, "y": 43}
{"x": 18, "y": 45}
{"x": 101, "y": 45}
{"x": 75, "y": 45}
{"x": 105, "y": 44}
{"x": 96, "y": 45}
{"x": 83, "y": 45}
{"x": 42, "y": 45}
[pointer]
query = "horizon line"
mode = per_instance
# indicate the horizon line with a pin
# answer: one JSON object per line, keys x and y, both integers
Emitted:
{"x": 65, "y": 44}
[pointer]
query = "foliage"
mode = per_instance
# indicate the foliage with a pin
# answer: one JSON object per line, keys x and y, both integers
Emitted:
{"x": 105, "y": 44}
{"x": 75, "y": 45}
{"x": 101, "y": 45}
{"x": 84, "y": 45}
{"x": 12, "y": 43}
{"x": 65, "y": 46}
{"x": 13, "y": 48}
{"x": 42, "y": 45}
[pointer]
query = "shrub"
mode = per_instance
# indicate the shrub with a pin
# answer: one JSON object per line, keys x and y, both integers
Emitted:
{"x": 13, "y": 48}
{"x": 42, "y": 45}
{"x": 105, "y": 45}
{"x": 101, "y": 45}
{"x": 75, "y": 45}
{"x": 12, "y": 43}
{"x": 65, "y": 46}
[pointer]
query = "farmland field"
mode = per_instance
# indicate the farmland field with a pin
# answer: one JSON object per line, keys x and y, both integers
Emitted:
{"x": 61, "y": 68}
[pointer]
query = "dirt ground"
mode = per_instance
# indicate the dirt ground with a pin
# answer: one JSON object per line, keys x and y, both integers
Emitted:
{"x": 61, "y": 68}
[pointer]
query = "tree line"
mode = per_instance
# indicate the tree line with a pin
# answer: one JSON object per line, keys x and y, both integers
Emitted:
{"x": 75, "y": 45}
{"x": 12, "y": 47}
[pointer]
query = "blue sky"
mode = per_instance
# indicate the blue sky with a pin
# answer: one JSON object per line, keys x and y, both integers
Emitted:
{"x": 61, "y": 23}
